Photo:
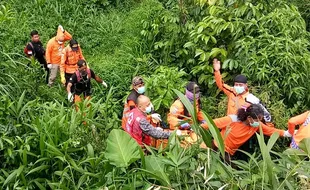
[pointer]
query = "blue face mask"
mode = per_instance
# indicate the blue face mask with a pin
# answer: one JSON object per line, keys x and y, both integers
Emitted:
{"x": 239, "y": 89}
{"x": 141, "y": 90}
{"x": 148, "y": 109}
{"x": 254, "y": 124}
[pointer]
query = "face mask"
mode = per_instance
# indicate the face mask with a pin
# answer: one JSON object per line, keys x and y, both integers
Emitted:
{"x": 254, "y": 124}
{"x": 141, "y": 90}
{"x": 190, "y": 95}
{"x": 239, "y": 89}
{"x": 59, "y": 42}
{"x": 148, "y": 109}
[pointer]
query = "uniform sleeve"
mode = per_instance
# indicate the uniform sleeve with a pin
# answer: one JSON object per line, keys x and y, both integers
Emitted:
{"x": 148, "y": 129}
{"x": 67, "y": 36}
{"x": 131, "y": 104}
{"x": 92, "y": 74}
{"x": 200, "y": 116}
{"x": 49, "y": 50}
{"x": 175, "y": 111}
{"x": 221, "y": 85}
{"x": 220, "y": 123}
{"x": 63, "y": 61}
{"x": 297, "y": 120}
{"x": 270, "y": 130}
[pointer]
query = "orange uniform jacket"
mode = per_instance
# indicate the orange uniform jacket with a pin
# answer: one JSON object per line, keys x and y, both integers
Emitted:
{"x": 235, "y": 101}
{"x": 69, "y": 60}
{"x": 175, "y": 116}
{"x": 238, "y": 133}
{"x": 54, "y": 49}
{"x": 304, "y": 129}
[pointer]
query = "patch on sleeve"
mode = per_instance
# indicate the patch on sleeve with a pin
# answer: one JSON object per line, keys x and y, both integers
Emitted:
{"x": 138, "y": 119}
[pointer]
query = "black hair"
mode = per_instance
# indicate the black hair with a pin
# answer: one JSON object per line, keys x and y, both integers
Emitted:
{"x": 34, "y": 32}
{"x": 253, "y": 111}
{"x": 81, "y": 63}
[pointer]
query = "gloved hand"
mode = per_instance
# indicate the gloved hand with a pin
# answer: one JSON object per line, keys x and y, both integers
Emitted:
{"x": 70, "y": 97}
{"x": 61, "y": 28}
{"x": 49, "y": 65}
{"x": 287, "y": 134}
{"x": 156, "y": 116}
{"x": 104, "y": 84}
{"x": 203, "y": 122}
{"x": 63, "y": 79}
{"x": 185, "y": 126}
{"x": 179, "y": 133}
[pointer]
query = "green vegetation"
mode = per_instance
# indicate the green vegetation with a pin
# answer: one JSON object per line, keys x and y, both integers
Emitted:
{"x": 45, "y": 143}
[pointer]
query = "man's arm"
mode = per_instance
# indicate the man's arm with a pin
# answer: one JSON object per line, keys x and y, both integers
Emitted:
{"x": 270, "y": 130}
{"x": 218, "y": 78}
{"x": 48, "y": 53}
{"x": 148, "y": 129}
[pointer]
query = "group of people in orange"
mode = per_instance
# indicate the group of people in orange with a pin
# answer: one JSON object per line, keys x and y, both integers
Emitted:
{"x": 245, "y": 113}
{"x": 245, "y": 116}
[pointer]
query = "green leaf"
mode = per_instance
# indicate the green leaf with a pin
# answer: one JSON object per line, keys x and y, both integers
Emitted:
{"x": 157, "y": 167}
{"x": 122, "y": 149}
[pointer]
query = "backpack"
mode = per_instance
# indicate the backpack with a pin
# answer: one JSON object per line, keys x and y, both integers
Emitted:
{"x": 79, "y": 77}
{"x": 26, "y": 49}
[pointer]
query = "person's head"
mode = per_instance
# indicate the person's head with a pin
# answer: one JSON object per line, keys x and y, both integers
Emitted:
{"x": 190, "y": 89}
{"x": 82, "y": 67}
{"x": 252, "y": 115}
{"x": 138, "y": 84}
{"x": 144, "y": 104}
{"x": 74, "y": 45}
{"x": 35, "y": 36}
{"x": 240, "y": 84}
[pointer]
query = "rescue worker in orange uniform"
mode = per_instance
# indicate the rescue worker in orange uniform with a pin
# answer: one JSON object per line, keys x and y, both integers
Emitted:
{"x": 68, "y": 65}
{"x": 138, "y": 88}
{"x": 178, "y": 113}
{"x": 304, "y": 130}
{"x": 53, "y": 54}
{"x": 247, "y": 124}
{"x": 179, "y": 118}
{"x": 81, "y": 82}
{"x": 138, "y": 126}
{"x": 238, "y": 95}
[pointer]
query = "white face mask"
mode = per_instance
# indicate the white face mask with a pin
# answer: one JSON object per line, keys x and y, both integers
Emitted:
{"x": 59, "y": 42}
{"x": 239, "y": 89}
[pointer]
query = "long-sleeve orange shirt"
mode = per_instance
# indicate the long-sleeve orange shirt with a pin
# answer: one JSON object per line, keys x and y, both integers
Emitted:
{"x": 238, "y": 133}
{"x": 54, "y": 49}
{"x": 69, "y": 60}
{"x": 304, "y": 130}
{"x": 235, "y": 101}
{"x": 176, "y": 114}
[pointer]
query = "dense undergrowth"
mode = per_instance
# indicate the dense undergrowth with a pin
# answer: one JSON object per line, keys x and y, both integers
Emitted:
{"x": 45, "y": 144}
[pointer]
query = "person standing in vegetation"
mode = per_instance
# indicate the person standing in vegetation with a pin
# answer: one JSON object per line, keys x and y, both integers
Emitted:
{"x": 68, "y": 65}
{"x": 304, "y": 130}
{"x": 138, "y": 126}
{"x": 138, "y": 88}
{"x": 248, "y": 123}
{"x": 81, "y": 82}
{"x": 238, "y": 95}
{"x": 35, "y": 49}
{"x": 54, "y": 50}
